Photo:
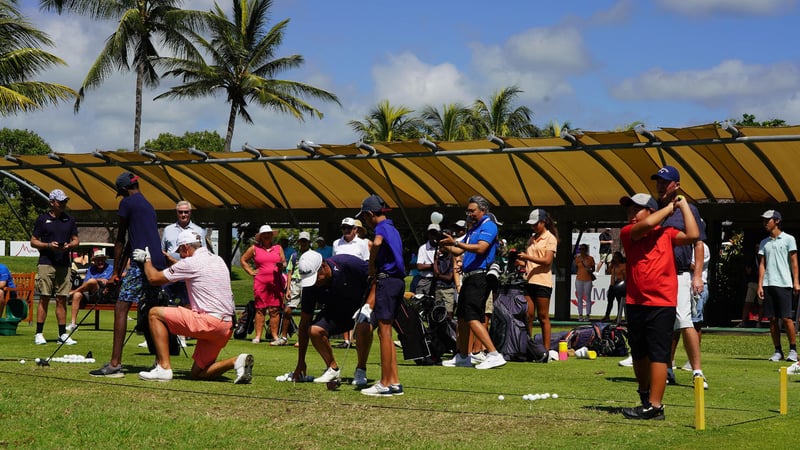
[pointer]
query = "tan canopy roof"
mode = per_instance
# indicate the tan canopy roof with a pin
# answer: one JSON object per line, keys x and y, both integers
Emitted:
{"x": 760, "y": 165}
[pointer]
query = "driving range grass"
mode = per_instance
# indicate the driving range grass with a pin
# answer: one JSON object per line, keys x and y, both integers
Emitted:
{"x": 63, "y": 407}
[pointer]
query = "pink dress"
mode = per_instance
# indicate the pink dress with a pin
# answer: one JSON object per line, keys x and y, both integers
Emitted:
{"x": 268, "y": 284}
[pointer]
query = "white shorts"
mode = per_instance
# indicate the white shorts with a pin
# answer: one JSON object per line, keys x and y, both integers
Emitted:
{"x": 683, "y": 316}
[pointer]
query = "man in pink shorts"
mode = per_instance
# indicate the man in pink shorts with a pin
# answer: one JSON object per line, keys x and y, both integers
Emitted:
{"x": 209, "y": 320}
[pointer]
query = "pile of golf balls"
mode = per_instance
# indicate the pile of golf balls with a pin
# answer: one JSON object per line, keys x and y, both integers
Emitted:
{"x": 534, "y": 397}
{"x": 288, "y": 377}
{"x": 73, "y": 359}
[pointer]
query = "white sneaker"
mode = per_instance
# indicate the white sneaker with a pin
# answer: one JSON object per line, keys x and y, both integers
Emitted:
{"x": 794, "y": 369}
{"x": 477, "y": 358}
{"x": 792, "y": 356}
{"x": 360, "y": 378}
{"x": 627, "y": 362}
{"x": 39, "y": 339}
{"x": 66, "y": 340}
{"x": 687, "y": 367}
{"x": 705, "y": 382}
{"x": 330, "y": 374}
{"x": 71, "y": 327}
{"x": 142, "y": 344}
{"x": 777, "y": 356}
{"x": 458, "y": 361}
{"x": 244, "y": 369}
{"x": 492, "y": 361}
{"x": 157, "y": 374}
{"x": 379, "y": 390}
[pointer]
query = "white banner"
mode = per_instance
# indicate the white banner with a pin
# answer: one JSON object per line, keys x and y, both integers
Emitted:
{"x": 23, "y": 248}
{"x": 2, "y": 247}
{"x": 599, "y": 298}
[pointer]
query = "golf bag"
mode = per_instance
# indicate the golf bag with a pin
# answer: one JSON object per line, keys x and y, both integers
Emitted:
{"x": 509, "y": 330}
{"x": 246, "y": 323}
{"x": 154, "y": 297}
{"x": 584, "y": 336}
{"x": 411, "y": 332}
{"x": 439, "y": 331}
{"x": 613, "y": 341}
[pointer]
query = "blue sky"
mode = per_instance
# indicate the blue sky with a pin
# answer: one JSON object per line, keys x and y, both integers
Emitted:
{"x": 598, "y": 64}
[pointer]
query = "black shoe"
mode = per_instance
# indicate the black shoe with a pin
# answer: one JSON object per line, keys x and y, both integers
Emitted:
{"x": 671, "y": 376}
{"x": 345, "y": 344}
{"x": 642, "y": 412}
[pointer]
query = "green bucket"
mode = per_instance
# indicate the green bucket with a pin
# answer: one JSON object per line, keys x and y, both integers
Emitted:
{"x": 16, "y": 311}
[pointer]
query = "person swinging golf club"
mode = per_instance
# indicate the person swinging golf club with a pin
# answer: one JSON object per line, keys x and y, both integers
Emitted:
{"x": 338, "y": 284}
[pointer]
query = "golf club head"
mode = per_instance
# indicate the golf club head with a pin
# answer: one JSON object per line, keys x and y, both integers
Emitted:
{"x": 333, "y": 384}
{"x": 43, "y": 362}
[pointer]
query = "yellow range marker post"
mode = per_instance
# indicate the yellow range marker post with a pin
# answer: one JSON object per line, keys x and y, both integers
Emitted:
{"x": 699, "y": 404}
{"x": 784, "y": 391}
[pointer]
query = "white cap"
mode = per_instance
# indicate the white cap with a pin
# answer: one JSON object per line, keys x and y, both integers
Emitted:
{"x": 308, "y": 266}
{"x": 99, "y": 254}
{"x": 57, "y": 195}
{"x": 265, "y": 229}
{"x": 434, "y": 226}
{"x": 188, "y": 237}
{"x": 461, "y": 223}
{"x": 304, "y": 235}
{"x": 536, "y": 216}
{"x": 349, "y": 221}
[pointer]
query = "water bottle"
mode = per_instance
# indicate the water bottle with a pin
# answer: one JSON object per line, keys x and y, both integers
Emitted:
{"x": 562, "y": 350}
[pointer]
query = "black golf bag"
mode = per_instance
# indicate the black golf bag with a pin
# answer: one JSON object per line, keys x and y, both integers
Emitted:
{"x": 509, "y": 330}
{"x": 246, "y": 323}
{"x": 438, "y": 331}
{"x": 154, "y": 296}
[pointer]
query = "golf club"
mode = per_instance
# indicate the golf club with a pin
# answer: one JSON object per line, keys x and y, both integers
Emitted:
{"x": 46, "y": 362}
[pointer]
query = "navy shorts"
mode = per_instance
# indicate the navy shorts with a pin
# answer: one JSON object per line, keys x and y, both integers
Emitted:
{"x": 777, "y": 302}
{"x": 388, "y": 294}
{"x": 650, "y": 332}
{"x": 472, "y": 298}
{"x": 332, "y": 323}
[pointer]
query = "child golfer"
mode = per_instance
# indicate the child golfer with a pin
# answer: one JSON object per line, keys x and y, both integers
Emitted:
{"x": 652, "y": 294}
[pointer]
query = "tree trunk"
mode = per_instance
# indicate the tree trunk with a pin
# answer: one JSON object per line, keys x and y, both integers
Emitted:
{"x": 137, "y": 120}
{"x": 231, "y": 123}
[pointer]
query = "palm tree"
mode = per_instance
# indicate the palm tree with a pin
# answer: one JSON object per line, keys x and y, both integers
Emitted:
{"x": 499, "y": 117}
{"x": 132, "y": 42}
{"x": 386, "y": 123}
{"x": 553, "y": 128}
{"x": 21, "y": 58}
{"x": 243, "y": 66}
{"x": 451, "y": 124}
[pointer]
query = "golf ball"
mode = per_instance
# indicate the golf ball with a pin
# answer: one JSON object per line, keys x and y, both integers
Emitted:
{"x": 500, "y": 397}
{"x": 38, "y": 360}
{"x": 526, "y": 397}
{"x": 22, "y": 361}
{"x": 554, "y": 395}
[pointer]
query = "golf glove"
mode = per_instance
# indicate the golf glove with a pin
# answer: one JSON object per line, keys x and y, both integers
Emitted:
{"x": 141, "y": 256}
{"x": 363, "y": 315}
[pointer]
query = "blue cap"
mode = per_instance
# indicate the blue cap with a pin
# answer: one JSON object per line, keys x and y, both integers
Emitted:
{"x": 668, "y": 173}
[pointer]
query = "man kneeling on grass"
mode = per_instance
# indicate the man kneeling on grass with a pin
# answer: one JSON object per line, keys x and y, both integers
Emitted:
{"x": 209, "y": 320}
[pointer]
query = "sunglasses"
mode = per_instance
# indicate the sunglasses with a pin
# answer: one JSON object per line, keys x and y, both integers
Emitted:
{"x": 184, "y": 212}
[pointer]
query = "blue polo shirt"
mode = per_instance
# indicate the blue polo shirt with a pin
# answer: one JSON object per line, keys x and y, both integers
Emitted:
{"x": 347, "y": 287}
{"x": 683, "y": 253}
{"x": 390, "y": 252}
{"x": 485, "y": 230}
{"x": 105, "y": 274}
{"x": 777, "y": 265}
{"x": 55, "y": 229}
{"x": 5, "y": 275}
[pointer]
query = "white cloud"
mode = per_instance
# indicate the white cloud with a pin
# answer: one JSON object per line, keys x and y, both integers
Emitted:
{"x": 732, "y": 7}
{"x": 406, "y": 80}
{"x": 728, "y": 81}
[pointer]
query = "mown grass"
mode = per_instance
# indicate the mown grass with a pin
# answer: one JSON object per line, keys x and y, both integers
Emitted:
{"x": 61, "y": 406}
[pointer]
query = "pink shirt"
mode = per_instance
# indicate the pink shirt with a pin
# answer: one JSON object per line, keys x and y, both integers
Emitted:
{"x": 207, "y": 280}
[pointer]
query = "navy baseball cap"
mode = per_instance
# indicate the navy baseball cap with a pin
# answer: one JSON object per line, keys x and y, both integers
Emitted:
{"x": 668, "y": 173}
{"x": 124, "y": 181}
{"x": 772, "y": 214}
{"x": 373, "y": 203}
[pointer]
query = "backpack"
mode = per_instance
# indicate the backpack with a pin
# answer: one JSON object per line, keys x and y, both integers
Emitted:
{"x": 509, "y": 330}
{"x": 246, "y": 323}
{"x": 613, "y": 341}
{"x": 584, "y": 336}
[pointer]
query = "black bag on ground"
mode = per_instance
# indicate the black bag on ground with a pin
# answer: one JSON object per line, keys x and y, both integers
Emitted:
{"x": 154, "y": 297}
{"x": 613, "y": 340}
{"x": 411, "y": 332}
{"x": 246, "y": 323}
{"x": 584, "y": 336}
{"x": 536, "y": 349}
{"x": 509, "y": 330}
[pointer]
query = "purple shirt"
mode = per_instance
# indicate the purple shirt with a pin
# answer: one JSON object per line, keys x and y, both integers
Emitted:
{"x": 54, "y": 229}
{"x": 390, "y": 252}
{"x": 142, "y": 227}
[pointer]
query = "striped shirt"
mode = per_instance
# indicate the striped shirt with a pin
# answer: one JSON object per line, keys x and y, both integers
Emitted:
{"x": 207, "y": 280}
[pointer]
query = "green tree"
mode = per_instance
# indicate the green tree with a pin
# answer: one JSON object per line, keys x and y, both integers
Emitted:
{"x": 22, "y": 58}
{"x": 242, "y": 65}
{"x": 139, "y": 21}
{"x": 500, "y": 116}
{"x": 386, "y": 123}
{"x": 22, "y": 142}
{"x": 18, "y": 207}
{"x": 553, "y": 128}
{"x": 749, "y": 120}
{"x": 207, "y": 141}
{"x": 452, "y": 123}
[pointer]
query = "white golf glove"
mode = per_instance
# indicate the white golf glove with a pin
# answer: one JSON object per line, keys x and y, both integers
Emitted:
{"x": 363, "y": 315}
{"x": 140, "y": 255}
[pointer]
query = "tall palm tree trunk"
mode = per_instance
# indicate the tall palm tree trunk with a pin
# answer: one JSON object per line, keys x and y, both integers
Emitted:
{"x": 137, "y": 120}
{"x": 231, "y": 124}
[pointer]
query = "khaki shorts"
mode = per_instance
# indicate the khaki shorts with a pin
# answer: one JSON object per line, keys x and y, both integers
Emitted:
{"x": 293, "y": 301}
{"x": 53, "y": 281}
